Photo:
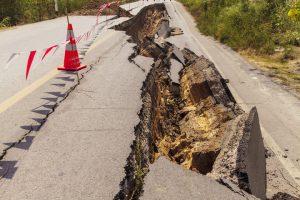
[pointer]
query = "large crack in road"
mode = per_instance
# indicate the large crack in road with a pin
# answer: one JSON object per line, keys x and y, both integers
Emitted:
{"x": 196, "y": 123}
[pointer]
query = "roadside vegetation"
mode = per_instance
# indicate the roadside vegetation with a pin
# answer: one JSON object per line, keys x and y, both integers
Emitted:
{"x": 267, "y": 32}
{"x": 15, "y": 12}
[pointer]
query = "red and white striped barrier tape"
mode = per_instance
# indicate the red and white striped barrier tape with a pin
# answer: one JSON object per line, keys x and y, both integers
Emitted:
{"x": 47, "y": 50}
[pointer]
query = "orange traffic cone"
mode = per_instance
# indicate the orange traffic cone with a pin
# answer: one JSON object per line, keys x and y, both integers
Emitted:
{"x": 71, "y": 62}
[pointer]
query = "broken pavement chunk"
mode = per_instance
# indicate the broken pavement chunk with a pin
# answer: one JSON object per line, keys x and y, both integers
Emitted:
{"x": 176, "y": 31}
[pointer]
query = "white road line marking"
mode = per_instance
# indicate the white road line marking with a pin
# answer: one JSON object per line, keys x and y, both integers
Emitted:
{"x": 286, "y": 162}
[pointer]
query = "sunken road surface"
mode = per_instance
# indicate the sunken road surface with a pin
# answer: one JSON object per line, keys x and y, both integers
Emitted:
{"x": 152, "y": 117}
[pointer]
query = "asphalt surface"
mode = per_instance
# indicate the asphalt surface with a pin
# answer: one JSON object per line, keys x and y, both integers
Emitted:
{"x": 169, "y": 181}
{"x": 21, "y": 101}
{"x": 34, "y": 37}
{"x": 81, "y": 150}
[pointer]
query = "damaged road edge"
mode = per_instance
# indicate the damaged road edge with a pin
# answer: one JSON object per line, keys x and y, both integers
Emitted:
{"x": 197, "y": 123}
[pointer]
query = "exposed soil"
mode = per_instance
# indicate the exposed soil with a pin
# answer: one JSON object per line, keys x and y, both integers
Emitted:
{"x": 196, "y": 123}
{"x": 92, "y": 8}
{"x": 284, "y": 196}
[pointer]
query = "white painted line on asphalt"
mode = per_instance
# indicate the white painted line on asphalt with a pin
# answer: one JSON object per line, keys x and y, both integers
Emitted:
{"x": 26, "y": 91}
{"x": 286, "y": 162}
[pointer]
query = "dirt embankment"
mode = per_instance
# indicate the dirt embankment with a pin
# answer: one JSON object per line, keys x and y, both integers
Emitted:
{"x": 92, "y": 8}
{"x": 196, "y": 123}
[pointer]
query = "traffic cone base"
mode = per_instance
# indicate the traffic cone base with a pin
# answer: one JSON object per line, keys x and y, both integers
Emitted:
{"x": 71, "y": 61}
{"x": 72, "y": 68}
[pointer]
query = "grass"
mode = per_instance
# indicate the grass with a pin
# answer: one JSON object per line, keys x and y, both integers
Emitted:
{"x": 281, "y": 70}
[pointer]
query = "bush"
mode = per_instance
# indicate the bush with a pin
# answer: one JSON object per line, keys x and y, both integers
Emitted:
{"x": 6, "y": 21}
{"x": 288, "y": 54}
{"x": 20, "y": 11}
{"x": 259, "y": 25}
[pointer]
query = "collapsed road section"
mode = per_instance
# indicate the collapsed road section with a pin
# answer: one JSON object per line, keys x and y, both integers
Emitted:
{"x": 196, "y": 123}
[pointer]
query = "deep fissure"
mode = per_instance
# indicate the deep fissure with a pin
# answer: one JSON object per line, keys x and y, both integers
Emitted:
{"x": 196, "y": 123}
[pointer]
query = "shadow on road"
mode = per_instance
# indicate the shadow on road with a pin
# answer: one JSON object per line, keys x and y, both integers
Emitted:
{"x": 8, "y": 169}
{"x": 53, "y": 98}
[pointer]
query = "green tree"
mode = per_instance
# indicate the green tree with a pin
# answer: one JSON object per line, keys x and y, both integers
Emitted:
{"x": 13, "y": 12}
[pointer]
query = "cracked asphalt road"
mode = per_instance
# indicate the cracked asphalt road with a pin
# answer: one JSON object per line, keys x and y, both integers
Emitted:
{"x": 81, "y": 150}
{"x": 84, "y": 144}
{"x": 24, "y": 104}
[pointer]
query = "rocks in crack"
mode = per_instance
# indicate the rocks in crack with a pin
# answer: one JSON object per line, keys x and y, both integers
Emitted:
{"x": 285, "y": 196}
{"x": 146, "y": 23}
{"x": 149, "y": 49}
{"x": 203, "y": 120}
{"x": 149, "y": 25}
{"x": 203, "y": 129}
{"x": 176, "y": 31}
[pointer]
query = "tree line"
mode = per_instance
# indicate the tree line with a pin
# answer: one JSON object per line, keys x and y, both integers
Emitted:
{"x": 14, "y": 12}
